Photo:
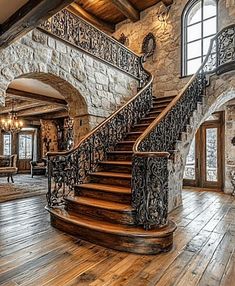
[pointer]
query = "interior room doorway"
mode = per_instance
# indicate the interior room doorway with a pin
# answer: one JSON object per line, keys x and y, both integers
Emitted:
{"x": 26, "y": 149}
{"x": 204, "y": 164}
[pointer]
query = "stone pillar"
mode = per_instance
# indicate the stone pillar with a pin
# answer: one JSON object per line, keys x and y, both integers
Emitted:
{"x": 229, "y": 147}
{"x": 83, "y": 125}
{"x": 49, "y": 132}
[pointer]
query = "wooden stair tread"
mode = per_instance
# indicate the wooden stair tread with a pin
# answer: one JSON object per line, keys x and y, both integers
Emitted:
{"x": 164, "y": 97}
{"x": 123, "y": 163}
{"x": 108, "y": 205}
{"x": 134, "y": 132}
{"x": 141, "y": 125}
{"x": 126, "y": 142}
{"x": 148, "y": 118}
{"x": 112, "y": 175}
{"x": 106, "y": 227}
{"x": 120, "y": 152}
{"x": 106, "y": 188}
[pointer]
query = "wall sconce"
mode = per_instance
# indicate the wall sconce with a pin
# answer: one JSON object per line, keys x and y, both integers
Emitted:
{"x": 163, "y": 13}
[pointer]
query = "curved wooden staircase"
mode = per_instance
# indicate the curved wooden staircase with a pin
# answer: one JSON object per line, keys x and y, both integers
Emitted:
{"x": 119, "y": 174}
{"x": 100, "y": 210}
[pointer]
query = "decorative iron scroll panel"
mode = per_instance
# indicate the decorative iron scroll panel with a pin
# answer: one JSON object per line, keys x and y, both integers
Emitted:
{"x": 149, "y": 173}
{"x": 150, "y": 196}
{"x": 79, "y": 33}
{"x": 65, "y": 171}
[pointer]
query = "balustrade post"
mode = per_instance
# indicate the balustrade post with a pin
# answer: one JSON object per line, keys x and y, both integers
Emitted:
{"x": 150, "y": 189}
{"x": 49, "y": 171}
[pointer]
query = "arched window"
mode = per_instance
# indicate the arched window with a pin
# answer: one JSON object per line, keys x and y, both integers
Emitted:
{"x": 199, "y": 25}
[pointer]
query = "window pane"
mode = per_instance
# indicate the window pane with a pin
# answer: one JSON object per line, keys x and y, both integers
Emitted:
{"x": 25, "y": 146}
{"x": 193, "y": 65}
{"x": 194, "y": 32}
{"x": 189, "y": 171}
{"x": 209, "y": 27}
{"x": 7, "y": 144}
{"x": 194, "y": 49}
{"x": 195, "y": 14}
{"x": 211, "y": 154}
{"x": 206, "y": 45}
{"x": 209, "y": 9}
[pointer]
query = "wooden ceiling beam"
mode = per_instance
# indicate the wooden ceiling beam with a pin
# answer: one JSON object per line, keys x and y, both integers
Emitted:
{"x": 21, "y": 107}
{"x": 39, "y": 111}
{"x": 79, "y": 11}
{"x": 167, "y": 2}
{"x": 127, "y": 9}
{"x": 35, "y": 96}
{"x": 29, "y": 16}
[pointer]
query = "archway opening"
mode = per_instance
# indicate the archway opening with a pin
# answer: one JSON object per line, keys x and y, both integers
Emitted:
{"x": 210, "y": 161}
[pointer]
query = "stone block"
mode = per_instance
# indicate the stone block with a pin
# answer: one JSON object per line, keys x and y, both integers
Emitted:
{"x": 101, "y": 79}
{"x": 60, "y": 47}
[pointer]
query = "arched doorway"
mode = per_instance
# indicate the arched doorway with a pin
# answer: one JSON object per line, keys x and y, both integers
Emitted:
{"x": 211, "y": 156}
{"x": 48, "y": 106}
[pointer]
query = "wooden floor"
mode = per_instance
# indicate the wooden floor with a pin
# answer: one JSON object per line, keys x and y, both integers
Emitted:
{"x": 33, "y": 253}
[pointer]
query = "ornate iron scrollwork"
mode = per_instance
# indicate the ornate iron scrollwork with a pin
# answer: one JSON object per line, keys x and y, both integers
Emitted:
{"x": 150, "y": 160}
{"x": 79, "y": 33}
{"x": 73, "y": 167}
{"x": 149, "y": 173}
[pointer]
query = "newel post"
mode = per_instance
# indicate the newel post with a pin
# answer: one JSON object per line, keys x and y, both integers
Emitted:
{"x": 150, "y": 190}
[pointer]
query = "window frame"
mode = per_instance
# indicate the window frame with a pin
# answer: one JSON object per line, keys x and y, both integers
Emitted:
{"x": 184, "y": 28}
{"x": 3, "y": 143}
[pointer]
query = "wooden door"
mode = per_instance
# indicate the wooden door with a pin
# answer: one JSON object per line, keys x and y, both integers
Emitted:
{"x": 25, "y": 150}
{"x": 204, "y": 164}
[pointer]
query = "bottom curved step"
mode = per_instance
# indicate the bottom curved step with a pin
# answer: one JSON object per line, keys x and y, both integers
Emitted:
{"x": 119, "y": 237}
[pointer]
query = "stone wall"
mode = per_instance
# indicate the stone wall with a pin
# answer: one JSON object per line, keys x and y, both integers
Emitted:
{"x": 48, "y": 131}
{"x": 165, "y": 64}
{"x": 229, "y": 147}
{"x": 90, "y": 87}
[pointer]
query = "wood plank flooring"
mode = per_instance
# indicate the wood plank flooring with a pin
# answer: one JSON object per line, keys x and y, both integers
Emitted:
{"x": 33, "y": 253}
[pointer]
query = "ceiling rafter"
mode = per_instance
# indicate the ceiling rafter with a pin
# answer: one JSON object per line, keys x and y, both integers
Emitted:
{"x": 35, "y": 96}
{"x": 28, "y": 17}
{"x": 127, "y": 9}
{"x": 78, "y": 10}
{"x": 167, "y": 2}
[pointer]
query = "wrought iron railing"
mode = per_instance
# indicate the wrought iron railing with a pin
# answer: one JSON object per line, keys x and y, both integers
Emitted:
{"x": 154, "y": 146}
{"x": 77, "y": 32}
{"x": 67, "y": 169}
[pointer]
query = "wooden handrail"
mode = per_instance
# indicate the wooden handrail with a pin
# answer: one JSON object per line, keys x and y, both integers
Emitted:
{"x": 173, "y": 103}
{"x": 49, "y": 154}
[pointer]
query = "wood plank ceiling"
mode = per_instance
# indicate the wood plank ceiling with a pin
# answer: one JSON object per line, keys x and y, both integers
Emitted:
{"x": 105, "y": 14}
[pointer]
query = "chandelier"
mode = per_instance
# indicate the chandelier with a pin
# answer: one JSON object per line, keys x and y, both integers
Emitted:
{"x": 11, "y": 123}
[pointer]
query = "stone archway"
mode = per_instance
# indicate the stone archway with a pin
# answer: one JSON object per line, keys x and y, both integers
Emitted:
{"x": 221, "y": 90}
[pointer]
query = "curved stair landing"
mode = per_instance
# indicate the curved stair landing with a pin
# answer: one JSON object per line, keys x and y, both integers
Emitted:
{"x": 115, "y": 236}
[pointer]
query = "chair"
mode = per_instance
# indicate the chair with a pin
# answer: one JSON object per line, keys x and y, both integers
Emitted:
{"x": 8, "y": 166}
{"x": 38, "y": 167}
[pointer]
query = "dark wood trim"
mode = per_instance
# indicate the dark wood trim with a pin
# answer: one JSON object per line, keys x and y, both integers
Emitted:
{"x": 79, "y": 11}
{"x": 127, "y": 9}
{"x": 35, "y": 96}
{"x": 167, "y": 2}
{"x": 29, "y": 16}
{"x": 22, "y": 107}
{"x": 39, "y": 111}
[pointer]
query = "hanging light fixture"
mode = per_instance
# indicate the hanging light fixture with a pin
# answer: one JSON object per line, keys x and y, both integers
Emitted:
{"x": 11, "y": 123}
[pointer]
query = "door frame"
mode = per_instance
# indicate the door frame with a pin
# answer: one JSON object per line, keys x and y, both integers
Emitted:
{"x": 31, "y": 132}
{"x": 200, "y": 155}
